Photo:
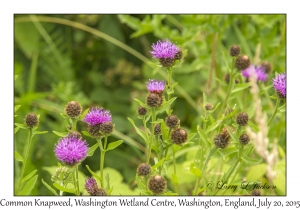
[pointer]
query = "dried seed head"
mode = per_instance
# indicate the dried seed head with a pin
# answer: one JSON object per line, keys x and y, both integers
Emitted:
{"x": 242, "y": 119}
{"x": 154, "y": 100}
{"x": 237, "y": 81}
{"x": 266, "y": 66}
{"x": 255, "y": 193}
{"x": 179, "y": 136}
{"x": 157, "y": 184}
{"x": 226, "y": 133}
{"x": 157, "y": 129}
{"x": 143, "y": 169}
{"x": 221, "y": 141}
{"x": 244, "y": 139}
{"x": 227, "y": 78}
{"x": 172, "y": 121}
{"x": 208, "y": 107}
{"x": 100, "y": 192}
{"x": 94, "y": 130}
{"x": 142, "y": 111}
{"x": 242, "y": 62}
{"x": 74, "y": 134}
{"x": 73, "y": 109}
{"x": 31, "y": 120}
{"x": 234, "y": 50}
{"x": 106, "y": 128}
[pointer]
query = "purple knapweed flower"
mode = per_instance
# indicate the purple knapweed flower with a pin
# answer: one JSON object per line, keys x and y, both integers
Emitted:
{"x": 258, "y": 71}
{"x": 97, "y": 116}
{"x": 279, "y": 84}
{"x": 164, "y": 49}
{"x": 91, "y": 185}
{"x": 71, "y": 150}
{"x": 156, "y": 86}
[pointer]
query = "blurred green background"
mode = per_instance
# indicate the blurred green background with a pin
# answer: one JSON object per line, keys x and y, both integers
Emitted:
{"x": 102, "y": 60}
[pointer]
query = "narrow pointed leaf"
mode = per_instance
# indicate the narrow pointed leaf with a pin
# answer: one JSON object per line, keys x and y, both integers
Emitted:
{"x": 29, "y": 186}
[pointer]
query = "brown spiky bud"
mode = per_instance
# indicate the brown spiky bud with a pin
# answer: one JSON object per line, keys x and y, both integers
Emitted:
{"x": 236, "y": 81}
{"x": 106, "y": 128}
{"x": 208, "y": 107}
{"x": 221, "y": 141}
{"x": 143, "y": 169}
{"x": 157, "y": 129}
{"x": 142, "y": 111}
{"x": 31, "y": 120}
{"x": 226, "y": 133}
{"x": 74, "y": 134}
{"x": 227, "y": 78}
{"x": 242, "y": 119}
{"x": 94, "y": 130}
{"x": 255, "y": 193}
{"x": 244, "y": 139}
{"x": 172, "y": 121}
{"x": 228, "y": 111}
{"x": 157, "y": 184}
{"x": 179, "y": 136}
{"x": 166, "y": 62}
{"x": 242, "y": 62}
{"x": 73, "y": 109}
{"x": 154, "y": 100}
{"x": 234, "y": 50}
{"x": 178, "y": 55}
{"x": 266, "y": 66}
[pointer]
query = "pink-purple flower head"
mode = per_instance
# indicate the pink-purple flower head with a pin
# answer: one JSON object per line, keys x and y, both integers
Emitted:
{"x": 279, "y": 84}
{"x": 97, "y": 116}
{"x": 156, "y": 86}
{"x": 258, "y": 71}
{"x": 164, "y": 49}
{"x": 71, "y": 150}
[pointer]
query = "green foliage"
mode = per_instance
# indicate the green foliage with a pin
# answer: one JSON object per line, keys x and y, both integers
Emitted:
{"x": 55, "y": 63}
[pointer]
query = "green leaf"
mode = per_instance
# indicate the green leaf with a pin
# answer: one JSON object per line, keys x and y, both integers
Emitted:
{"x": 61, "y": 188}
{"x": 225, "y": 152}
{"x": 19, "y": 157}
{"x": 49, "y": 187}
{"x": 256, "y": 172}
{"x": 158, "y": 164}
{"x": 16, "y": 129}
{"x": 107, "y": 181}
{"x": 169, "y": 193}
{"x": 253, "y": 126}
{"x": 214, "y": 109}
{"x": 226, "y": 63}
{"x": 140, "y": 132}
{"x": 196, "y": 171}
{"x": 213, "y": 126}
{"x": 242, "y": 39}
{"x": 282, "y": 108}
{"x": 158, "y": 121}
{"x": 16, "y": 76}
{"x": 86, "y": 134}
{"x": 234, "y": 137}
{"x": 92, "y": 149}
{"x": 29, "y": 175}
{"x": 141, "y": 103}
{"x": 140, "y": 183}
{"x": 174, "y": 179}
{"x": 21, "y": 126}
{"x": 61, "y": 134}
{"x": 83, "y": 114}
{"x": 113, "y": 145}
{"x": 146, "y": 192}
{"x": 93, "y": 173}
{"x": 29, "y": 186}
{"x": 251, "y": 161}
{"x": 39, "y": 132}
{"x": 110, "y": 190}
{"x": 65, "y": 116}
{"x": 191, "y": 136}
{"x": 203, "y": 136}
{"x": 165, "y": 105}
{"x": 17, "y": 107}
{"x": 240, "y": 87}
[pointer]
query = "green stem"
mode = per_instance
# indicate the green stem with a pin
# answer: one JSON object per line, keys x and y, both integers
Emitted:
{"x": 77, "y": 179}
{"x": 75, "y": 184}
{"x": 74, "y": 122}
{"x": 25, "y": 158}
{"x": 152, "y": 135}
{"x": 169, "y": 88}
{"x": 101, "y": 159}
{"x": 275, "y": 111}
{"x": 174, "y": 164}
{"x": 61, "y": 193}
{"x": 203, "y": 169}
